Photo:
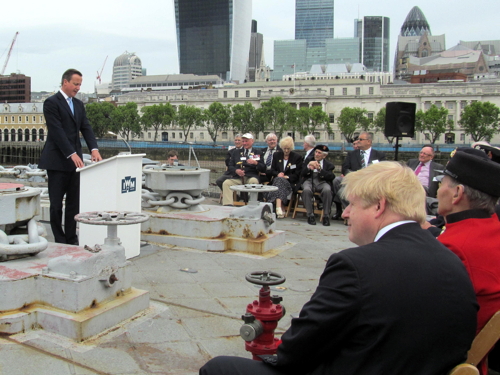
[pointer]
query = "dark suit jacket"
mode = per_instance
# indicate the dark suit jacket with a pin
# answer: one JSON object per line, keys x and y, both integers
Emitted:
{"x": 325, "y": 174}
{"x": 401, "y": 305}
{"x": 229, "y": 155}
{"x": 433, "y": 185}
{"x": 352, "y": 161}
{"x": 250, "y": 170}
{"x": 63, "y": 137}
{"x": 293, "y": 167}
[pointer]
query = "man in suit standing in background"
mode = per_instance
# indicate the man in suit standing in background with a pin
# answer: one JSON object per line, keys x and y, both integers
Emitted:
{"x": 65, "y": 119}
{"x": 426, "y": 169}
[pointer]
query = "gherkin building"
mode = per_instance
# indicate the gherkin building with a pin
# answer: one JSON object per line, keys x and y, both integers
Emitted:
{"x": 415, "y": 24}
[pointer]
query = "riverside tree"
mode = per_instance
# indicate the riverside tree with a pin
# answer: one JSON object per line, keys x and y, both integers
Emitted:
{"x": 157, "y": 116}
{"x": 480, "y": 120}
{"x": 434, "y": 121}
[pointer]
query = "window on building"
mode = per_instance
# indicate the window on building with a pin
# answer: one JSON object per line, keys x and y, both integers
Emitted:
{"x": 27, "y": 119}
{"x": 34, "y": 118}
{"x": 247, "y": 94}
{"x": 191, "y": 135}
{"x": 236, "y": 94}
{"x": 450, "y": 117}
{"x": 370, "y": 115}
{"x": 331, "y": 136}
{"x": 318, "y": 90}
{"x": 451, "y": 105}
{"x": 173, "y": 135}
{"x": 33, "y": 135}
{"x": 332, "y": 118}
{"x": 332, "y": 92}
{"x": 462, "y": 137}
{"x": 41, "y": 135}
{"x": 225, "y": 94}
{"x": 427, "y": 136}
{"x": 317, "y": 136}
{"x": 26, "y": 135}
{"x": 224, "y": 135}
{"x": 149, "y": 135}
{"x": 180, "y": 135}
{"x": 438, "y": 104}
{"x": 344, "y": 91}
{"x": 202, "y": 135}
{"x": 427, "y": 105}
{"x": 6, "y": 119}
{"x": 463, "y": 104}
{"x": 370, "y": 90}
{"x": 19, "y": 119}
{"x": 259, "y": 93}
{"x": 358, "y": 90}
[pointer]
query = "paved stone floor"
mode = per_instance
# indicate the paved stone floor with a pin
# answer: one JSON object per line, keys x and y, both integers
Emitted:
{"x": 192, "y": 316}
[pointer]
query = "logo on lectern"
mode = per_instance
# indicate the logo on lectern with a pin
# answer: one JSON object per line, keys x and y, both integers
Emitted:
{"x": 128, "y": 184}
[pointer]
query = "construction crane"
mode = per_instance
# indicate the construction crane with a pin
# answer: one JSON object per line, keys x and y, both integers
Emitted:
{"x": 99, "y": 74}
{"x": 8, "y": 54}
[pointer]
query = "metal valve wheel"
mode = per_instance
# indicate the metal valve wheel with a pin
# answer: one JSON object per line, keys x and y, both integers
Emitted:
{"x": 265, "y": 278}
{"x": 111, "y": 218}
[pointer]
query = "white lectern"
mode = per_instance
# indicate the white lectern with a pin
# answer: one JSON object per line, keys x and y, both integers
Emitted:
{"x": 114, "y": 184}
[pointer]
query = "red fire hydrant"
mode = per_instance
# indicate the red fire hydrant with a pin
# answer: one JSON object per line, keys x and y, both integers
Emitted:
{"x": 262, "y": 316}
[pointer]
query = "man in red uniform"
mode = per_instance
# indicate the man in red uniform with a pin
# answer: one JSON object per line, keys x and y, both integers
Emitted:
{"x": 467, "y": 197}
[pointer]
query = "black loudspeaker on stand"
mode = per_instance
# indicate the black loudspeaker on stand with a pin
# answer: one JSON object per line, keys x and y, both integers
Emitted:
{"x": 399, "y": 121}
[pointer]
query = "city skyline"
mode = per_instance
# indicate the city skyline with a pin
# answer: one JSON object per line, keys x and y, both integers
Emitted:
{"x": 53, "y": 38}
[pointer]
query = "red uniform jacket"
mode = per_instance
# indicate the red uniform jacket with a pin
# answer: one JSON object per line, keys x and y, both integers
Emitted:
{"x": 474, "y": 236}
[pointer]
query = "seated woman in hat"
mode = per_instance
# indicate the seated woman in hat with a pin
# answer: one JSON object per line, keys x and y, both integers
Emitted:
{"x": 285, "y": 174}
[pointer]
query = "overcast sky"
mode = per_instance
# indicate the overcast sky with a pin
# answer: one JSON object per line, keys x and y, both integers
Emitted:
{"x": 56, "y": 35}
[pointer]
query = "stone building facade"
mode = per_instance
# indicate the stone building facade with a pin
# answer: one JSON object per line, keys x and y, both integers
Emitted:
{"x": 332, "y": 95}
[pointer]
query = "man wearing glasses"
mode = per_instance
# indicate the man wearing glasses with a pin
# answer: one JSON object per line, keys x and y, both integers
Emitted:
{"x": 427, "y": 169}
{"x": 363, "y": 156}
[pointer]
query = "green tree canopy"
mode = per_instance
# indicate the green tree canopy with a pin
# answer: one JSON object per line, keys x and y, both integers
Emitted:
{"x": 157, "y": 116}
{"x": 273, "y": 114}
{"x": 378, "y": 123}
{"x": 218, "y": 117}
{"x": 434, "y": 121}
{"x": 480, "y": 120}
{"x": 187, "y": 117}
{"x": 351, "y": 120}
{"x": 243, "y": 118}
{"x": 99, "y": 115}
{"x": 127, "y": 121}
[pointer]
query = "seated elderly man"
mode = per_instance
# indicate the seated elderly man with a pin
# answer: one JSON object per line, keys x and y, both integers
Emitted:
{"x": 427, "y": 169}
{"x": 400, "y": 303}
{"x": 244, "y": 167}
{"x": 317, "y": 176}
{"x": 467, "y": 197}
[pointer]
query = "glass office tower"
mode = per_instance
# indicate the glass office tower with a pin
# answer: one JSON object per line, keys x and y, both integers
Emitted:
{"x": 213, "y": 37}
{"x": 314, "y": 21}
{"x": 374, "y": 34}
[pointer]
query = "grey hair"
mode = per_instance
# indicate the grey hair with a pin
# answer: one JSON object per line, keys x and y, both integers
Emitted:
{"x": 270, "y": 135}
{"x": 310, "y": 140}
{"x": 477, "y": 199}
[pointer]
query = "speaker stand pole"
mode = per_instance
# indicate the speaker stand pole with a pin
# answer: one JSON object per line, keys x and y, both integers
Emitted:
{"x": 396, "y": 146}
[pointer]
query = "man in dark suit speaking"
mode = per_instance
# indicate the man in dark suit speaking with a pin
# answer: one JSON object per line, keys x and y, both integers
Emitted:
{"x": 65, "y": 119}
{"x": 400, "y": 303}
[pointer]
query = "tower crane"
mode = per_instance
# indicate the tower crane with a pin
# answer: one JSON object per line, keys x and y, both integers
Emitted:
{"x": 8, "y": 54}
{"x": 99, "y": 74}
